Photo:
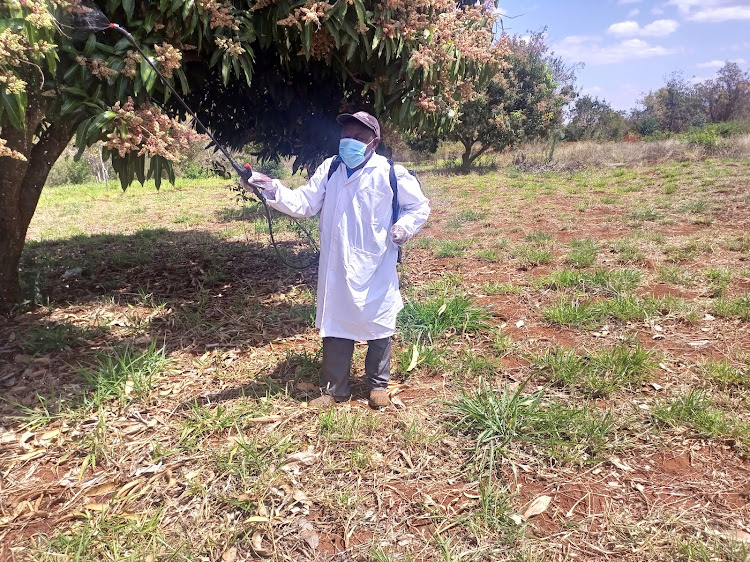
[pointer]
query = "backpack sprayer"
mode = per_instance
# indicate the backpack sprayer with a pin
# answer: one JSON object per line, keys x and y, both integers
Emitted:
{"x": 94, "y": 20}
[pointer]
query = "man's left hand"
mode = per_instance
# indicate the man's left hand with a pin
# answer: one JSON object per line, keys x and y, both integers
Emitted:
{"x": 399, "y": 235}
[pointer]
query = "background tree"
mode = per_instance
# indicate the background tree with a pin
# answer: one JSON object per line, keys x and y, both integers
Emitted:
{"x": 520, "y": 103}
{"x": 592, "y": 118}
{"x": 726, "y": 97}
{"x": 269, "y": 72}
{"x": 675, "y": 106}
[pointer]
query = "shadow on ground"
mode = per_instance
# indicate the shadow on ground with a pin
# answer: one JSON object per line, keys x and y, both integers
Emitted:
{"x": 188, "y": 291}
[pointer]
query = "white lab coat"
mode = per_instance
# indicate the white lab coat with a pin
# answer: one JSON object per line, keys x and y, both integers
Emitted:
{"x": 358, "y": 293}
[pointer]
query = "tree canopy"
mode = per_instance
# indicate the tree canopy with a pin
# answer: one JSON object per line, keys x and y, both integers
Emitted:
{"x": 523, "y": 101}
{"x": 269, "y": 72}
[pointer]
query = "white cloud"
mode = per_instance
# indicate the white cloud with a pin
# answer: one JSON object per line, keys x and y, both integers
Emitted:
{"x": 658, "y": 28}
{"x": 628, "y": 1}
{"x": 710, "y": 64}
{"x": 589, "y": 49}
{"x": 717, "y": 63}
{"x": 624, "y": 28}
{"x": 715, "y": 15}
{"x": 713, "y": 11}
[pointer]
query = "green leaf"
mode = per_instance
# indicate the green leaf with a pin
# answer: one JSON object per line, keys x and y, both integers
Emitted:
{"x": 225, "y": 66}
{"x": 15, "y": 108}
{"x": 128, "y": 6}
{"x": 88, "y": 49}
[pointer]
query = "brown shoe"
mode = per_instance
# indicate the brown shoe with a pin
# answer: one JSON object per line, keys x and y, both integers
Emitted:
{"x": 379, "y": 399}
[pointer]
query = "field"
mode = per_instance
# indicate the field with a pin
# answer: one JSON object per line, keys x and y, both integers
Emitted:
{"x": 571, "y": 379}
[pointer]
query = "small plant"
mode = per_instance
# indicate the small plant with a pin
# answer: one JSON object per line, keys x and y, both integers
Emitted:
{"x": 582, "y": 253}
{"x": 55, "y": 337}
{"x": 531, "y": 256}
{"x": 125, "y": 373}
{"x": 425, "y": 321}
{"x": 341, "y": 424}
{"x": 645, "y": 214}
{"x": 676, "y": 275}
{"x": 726, "y": 376}
{"x": 696, "y": 410}
{"x": 628, "y": 252}
{"x": 501, "y": 288}
{"x": 452, "y": 249}
{"x": 718, "y": 280}
{"x": 733, "y": 308}
{"x": 598, "y": 374}
{"x": 495, "y": 417}
{"x": 600, "y": 281}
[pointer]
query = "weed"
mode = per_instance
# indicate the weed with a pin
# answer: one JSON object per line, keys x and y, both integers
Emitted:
{"x": 452, "y": 248}
{"x": 628, "y": 252}
{"x": 55, "y": 337}
{"x": 582, "y": 253}
{"x": 539, "y": 238}
{"x": 676, "y": 275}
{"x": 495, "y": 513}
{"x": 250, "y": 458}
{"x": 696, "y": 410}
{"x": 531, "y": 256}
{"x": 738, "y": 243}
{"x": 425, "y": 321}
{"x": 473, "y": 364}
{"x": 203, "y": 420}
{"x": 426, "y": 357}
{"x": 645, "y": 214}
{"x": 726, "y": 376}
{"x": 733, "y": 308}
{"x": 718, "y": 280}
{"x": 110, "y": 536}
{"x": 603, "y": 280}
{"x": 501, "y": 288}
{"x": 597, "y": 374}
{"x": 342, "y": 424}
{"x": 490, "y": 256}
{"x": 125, "y": 373}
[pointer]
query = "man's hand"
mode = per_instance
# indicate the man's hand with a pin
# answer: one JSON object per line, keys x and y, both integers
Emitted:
{"x": 399, "y": 235}
{"x": 260, "y": 181}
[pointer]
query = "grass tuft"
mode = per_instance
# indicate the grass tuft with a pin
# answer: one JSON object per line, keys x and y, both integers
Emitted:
{"x": 425, "y": 321}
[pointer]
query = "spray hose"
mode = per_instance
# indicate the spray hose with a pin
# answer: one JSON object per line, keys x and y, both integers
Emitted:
{"x": 244, "y": 172}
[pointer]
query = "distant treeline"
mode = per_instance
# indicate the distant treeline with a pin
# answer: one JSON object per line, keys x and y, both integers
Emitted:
{"x": 677, "y": 107}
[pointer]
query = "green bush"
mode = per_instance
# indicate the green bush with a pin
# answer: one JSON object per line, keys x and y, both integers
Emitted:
{"x": 68, "y": 171}
{"x": 705, "y": 138}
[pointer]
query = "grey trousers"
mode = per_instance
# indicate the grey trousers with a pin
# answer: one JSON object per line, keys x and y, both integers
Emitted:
{"x": 337, "y": 362}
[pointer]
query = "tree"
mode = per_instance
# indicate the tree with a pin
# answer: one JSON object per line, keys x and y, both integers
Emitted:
{"x": 520, "y": 103}
{"x": 675, "y": 106}
{"x": 591, "y": 118}
{"x": 269, "y": 72}
{"x": 727, "y": 97}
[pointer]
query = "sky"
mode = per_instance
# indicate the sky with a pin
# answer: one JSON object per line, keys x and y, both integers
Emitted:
{"x": 629, "y": 47}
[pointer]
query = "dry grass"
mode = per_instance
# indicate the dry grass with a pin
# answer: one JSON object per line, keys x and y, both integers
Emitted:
{"x": 154, "y": 405}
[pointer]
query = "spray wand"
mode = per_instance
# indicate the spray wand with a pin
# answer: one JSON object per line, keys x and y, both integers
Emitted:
{"x": 245, "y": 172}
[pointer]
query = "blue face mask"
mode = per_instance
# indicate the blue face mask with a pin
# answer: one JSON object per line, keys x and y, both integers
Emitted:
{"x": 352, "y": 152}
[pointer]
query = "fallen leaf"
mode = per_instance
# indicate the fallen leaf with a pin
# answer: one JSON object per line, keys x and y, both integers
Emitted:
{"x": 397, "y": 402}
{"x": 519, "y": 324}
{"x": 698, "y": 343}
{"x": 100, "y": 490}
{"x": 414, "y": 358}
{"x": 257, "y": 519}
{"x": 230, "y": 555}
{"x": 311, "y": 538}
{"x": 619, "y": 464}
{"x": 257, "y": 542}
{"x": 442, "y": 309}
{"x": 738, "y": 535}
{"x": 539, "y": 505}
{"x": 96, "y": 506}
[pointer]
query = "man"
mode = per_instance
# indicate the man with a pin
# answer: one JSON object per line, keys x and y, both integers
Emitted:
{"x": 358, "y": 292}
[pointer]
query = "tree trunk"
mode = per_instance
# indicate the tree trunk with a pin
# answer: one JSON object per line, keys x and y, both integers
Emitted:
{"x": 466, "y": 158}
{"x": 21, "y": 184}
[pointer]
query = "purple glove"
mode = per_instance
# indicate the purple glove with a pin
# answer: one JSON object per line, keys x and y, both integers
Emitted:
{"x": 399, "y": 235}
